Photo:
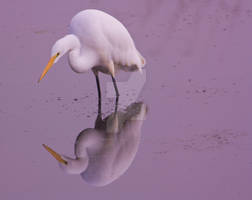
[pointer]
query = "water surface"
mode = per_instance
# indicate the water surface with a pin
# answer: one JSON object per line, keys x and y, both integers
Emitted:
{"x": 196, "y": 140}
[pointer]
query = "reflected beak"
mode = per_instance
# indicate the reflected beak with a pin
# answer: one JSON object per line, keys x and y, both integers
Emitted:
{"x": 48, "y": 66}
{"x": 55, "y": 155}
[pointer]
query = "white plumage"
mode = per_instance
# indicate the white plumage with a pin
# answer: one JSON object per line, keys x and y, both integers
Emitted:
{"x": 99, "y": 42}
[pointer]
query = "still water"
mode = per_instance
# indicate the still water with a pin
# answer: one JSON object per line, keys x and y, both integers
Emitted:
{"x": 182, "y": 129}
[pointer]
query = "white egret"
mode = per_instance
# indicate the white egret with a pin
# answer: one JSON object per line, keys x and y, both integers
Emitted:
{"x": 105, "y": 152}
{"x": 99, "y": 42}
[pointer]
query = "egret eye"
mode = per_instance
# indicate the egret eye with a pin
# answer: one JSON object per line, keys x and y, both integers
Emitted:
{"x": 58, "y": 54}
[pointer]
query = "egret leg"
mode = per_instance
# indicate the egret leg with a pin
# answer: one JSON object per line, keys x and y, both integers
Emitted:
{"x": 99, "y": 106}
{"x": 116, "y": 104}
{"x": 99, "y": 122}
{"x": 115, "y": 86}
{"x": 98, "y": 88}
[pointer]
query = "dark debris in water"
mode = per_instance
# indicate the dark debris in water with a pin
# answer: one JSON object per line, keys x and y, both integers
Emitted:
{"x": 40, "y": 31}
{"x": 214, "y": 140}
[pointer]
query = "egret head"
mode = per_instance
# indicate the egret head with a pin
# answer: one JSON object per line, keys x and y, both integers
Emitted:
{"x": 61, "y": 47}
{"x": 67, "y": 164}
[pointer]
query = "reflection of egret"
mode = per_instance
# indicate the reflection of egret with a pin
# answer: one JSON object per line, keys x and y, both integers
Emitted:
{"x": 99, "y": 42}
{"x": 105, "y": 152}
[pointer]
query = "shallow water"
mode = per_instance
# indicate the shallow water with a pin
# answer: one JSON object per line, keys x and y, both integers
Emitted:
{"x": 196, "y": 140}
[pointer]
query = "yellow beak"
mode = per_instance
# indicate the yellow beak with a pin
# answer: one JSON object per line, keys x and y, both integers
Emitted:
{"x": 55, "y": 155}
{"x": 48, "y": 66}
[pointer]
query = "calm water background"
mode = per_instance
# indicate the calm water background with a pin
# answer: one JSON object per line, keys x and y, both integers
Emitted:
{"x": 197, "y": 138}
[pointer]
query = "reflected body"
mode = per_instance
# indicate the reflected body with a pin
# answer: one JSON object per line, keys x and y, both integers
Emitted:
{"x": 99, "y": 42}
{"x": 105, "y": 152}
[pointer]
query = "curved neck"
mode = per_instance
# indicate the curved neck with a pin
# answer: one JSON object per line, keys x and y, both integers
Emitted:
{"x": 75, "y": 166}
{"x": 71, "y": 42}
{"x": 80, "y": 58}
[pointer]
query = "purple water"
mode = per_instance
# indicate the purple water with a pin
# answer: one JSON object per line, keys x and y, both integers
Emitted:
{"x": 196, "y": 141}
